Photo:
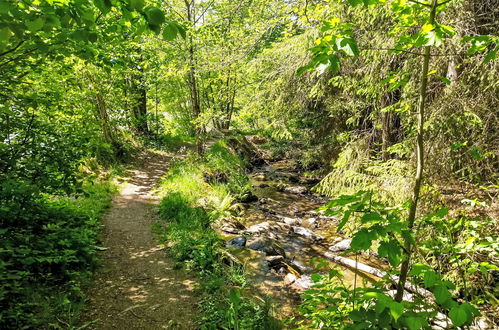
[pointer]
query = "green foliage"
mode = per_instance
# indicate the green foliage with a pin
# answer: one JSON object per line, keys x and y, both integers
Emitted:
{"x": 332, "y": 304}
{"x": 47, "y": 253}
{"x": 463, "y": 249}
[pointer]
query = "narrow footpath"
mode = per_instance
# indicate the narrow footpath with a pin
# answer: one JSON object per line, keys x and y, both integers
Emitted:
{"x": 137, "y": 286}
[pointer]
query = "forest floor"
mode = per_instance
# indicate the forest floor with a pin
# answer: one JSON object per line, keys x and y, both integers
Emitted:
{"x": 137, "y": 286}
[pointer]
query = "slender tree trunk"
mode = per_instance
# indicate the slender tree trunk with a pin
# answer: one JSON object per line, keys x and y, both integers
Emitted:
{"x": 196, "y": 108}
{"x": 385, "y": 134}
{"x": 404, "y": 269}
{"x": 140, "y": 107}
{"x": 101, "y": 114}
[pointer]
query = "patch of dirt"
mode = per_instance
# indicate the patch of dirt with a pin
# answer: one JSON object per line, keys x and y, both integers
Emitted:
{"x": 137, "y": 286}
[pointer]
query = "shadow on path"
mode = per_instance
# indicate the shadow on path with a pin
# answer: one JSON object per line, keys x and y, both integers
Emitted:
{"x": 137, "y": 286}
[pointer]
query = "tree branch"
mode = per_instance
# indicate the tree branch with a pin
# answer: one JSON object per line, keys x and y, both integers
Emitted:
{"x": 13, "y": 49}
{"x": 420, "y": 3}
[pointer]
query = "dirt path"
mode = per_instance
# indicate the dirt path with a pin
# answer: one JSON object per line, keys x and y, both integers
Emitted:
{"x": 137, "y": 286}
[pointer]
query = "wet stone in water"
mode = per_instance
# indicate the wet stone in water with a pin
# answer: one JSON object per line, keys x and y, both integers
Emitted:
{"x": 268, "y": 246}
{"x": 237, "y": 242}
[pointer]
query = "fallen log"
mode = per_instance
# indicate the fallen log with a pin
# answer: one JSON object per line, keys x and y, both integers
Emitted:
{"x": 441, "y": 321}
{"x": 378, "y": 273}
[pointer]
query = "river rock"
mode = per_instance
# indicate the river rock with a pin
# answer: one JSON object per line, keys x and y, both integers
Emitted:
{"x": 296, "y": 190}
{"x": 307, "y": 233}
{"x": 253, "y": 262}
{"x": 289, "y": 221}
{"x": 229, "y": 225}
{"x": 237, "y": 242}
{"x": 248, "y": 198}
{"x": 274, "y": 261}
{"x": 312, "y": 222}
{"x": 263, "y": 185}
{"x": 289, "y": 279}
{"x": 341, "y": 246}
{"x": 260, "y": 176}
{"x": 264, "y": 200}
{"x": 268, "y": 246}
{"x": 305, "y": 282}
{"x": 269, "y": 226}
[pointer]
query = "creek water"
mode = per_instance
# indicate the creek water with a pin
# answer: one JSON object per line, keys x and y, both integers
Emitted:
{"x": 283, "y": 220}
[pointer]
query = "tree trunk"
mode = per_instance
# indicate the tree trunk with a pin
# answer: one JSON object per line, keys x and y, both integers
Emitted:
{"x": 193, "y": 84}
{"x": 385, "y": 135}
{"x": 404, "y": 269}
{"x": 102, "y": 115}
{"x": 140, "y": 107}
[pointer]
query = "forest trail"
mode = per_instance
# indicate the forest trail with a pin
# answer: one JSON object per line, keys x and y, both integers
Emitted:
{"x": 137, "y": 286}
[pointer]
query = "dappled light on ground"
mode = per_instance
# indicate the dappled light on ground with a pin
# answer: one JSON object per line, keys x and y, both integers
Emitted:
{"x": 137, "y": 286}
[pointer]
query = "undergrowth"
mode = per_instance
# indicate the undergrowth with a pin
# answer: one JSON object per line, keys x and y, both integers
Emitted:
{"x": 197, "y": 192}
{"x": 48, "y": 250}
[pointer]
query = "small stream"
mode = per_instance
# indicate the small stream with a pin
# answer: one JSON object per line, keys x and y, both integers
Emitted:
{"x": 282, "y": 233}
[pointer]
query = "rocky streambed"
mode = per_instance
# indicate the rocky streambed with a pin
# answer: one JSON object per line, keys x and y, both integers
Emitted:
{"x": 281, "y": 232}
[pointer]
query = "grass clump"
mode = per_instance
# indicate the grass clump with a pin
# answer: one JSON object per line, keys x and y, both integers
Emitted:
{"x": 197, "y": 193}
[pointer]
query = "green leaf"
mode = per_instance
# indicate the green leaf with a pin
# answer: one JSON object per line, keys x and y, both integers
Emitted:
{"x": 371, "y": 217}
{"x": 362, "y": 240}
{"x": 392, "y": 251}
{"x": 433, "y": 38}
{"x": 380, "y": 306}
{"x": 355, "y": 2}
{"x": 154, "y": 15}
{"x": 415, "y": 323}
{"x": 181, "y": 29}
{"x": 155, "y": 28}
{"x": 334, "y": 63}
{"x": 302, "y": 69}
{"x": 92, "y": 37}
{"x": 396, "y": 309}
{"x": 445, "y": 80}
{"x": 5, "y": 34}
{"x": 103, "y": 5}
{"x": 442, "y": 294}
{"x": 349, "y": 46}
{"x": 430, "y": 278}
{"x": 344, "y": 220}
{"x": 316, "y": 278}
{"x": 418, "y": 269}
{"x": 170, "y": 32}
{"x": 458, "y": 316}
{"x": 490, "y": 56}
{"x": 35, "y": 25}
{"x": 356, "y": 316}
{"x": 137, "y": 4}
{"x": 471, "y": 310}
